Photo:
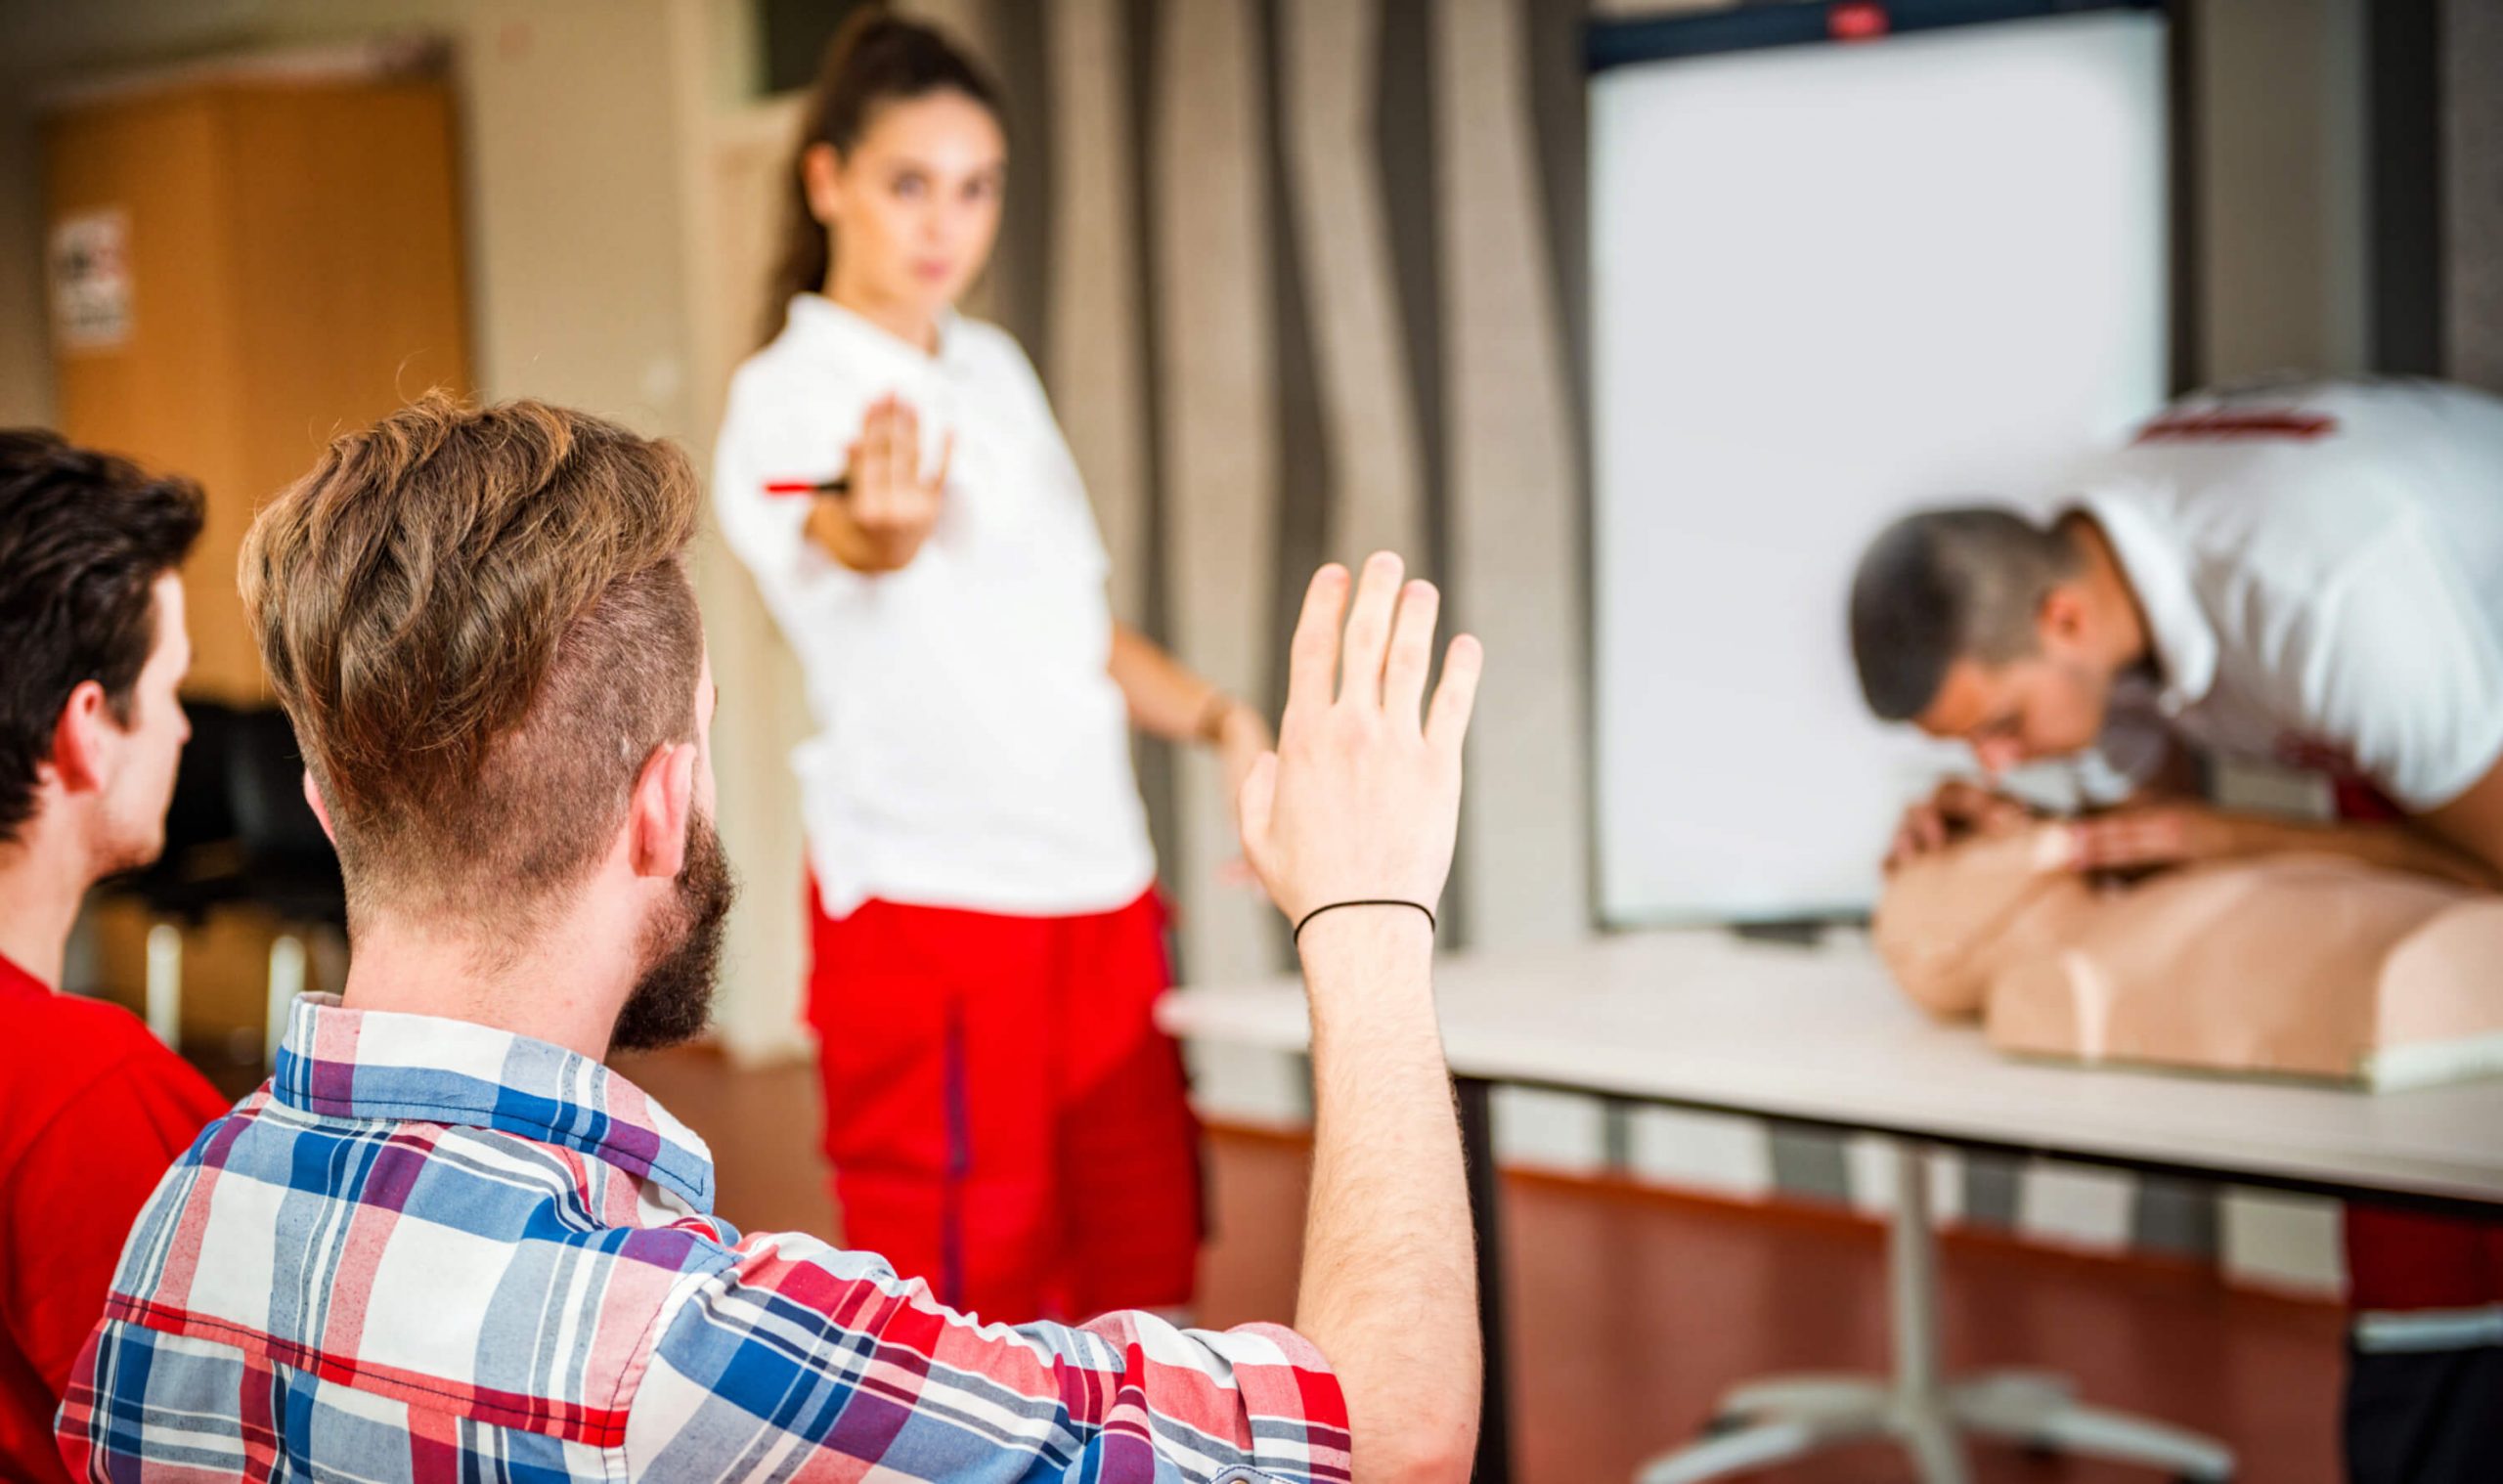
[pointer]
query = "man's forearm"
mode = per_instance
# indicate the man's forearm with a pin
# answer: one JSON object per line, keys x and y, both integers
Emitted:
{"x": 2395, "y": 846}
{"x": 1389, "y": 1289}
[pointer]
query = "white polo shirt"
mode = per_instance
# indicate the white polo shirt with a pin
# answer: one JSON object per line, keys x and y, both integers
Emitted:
{"x": 972, "y": 750}
{"x": 2321, "y": 570}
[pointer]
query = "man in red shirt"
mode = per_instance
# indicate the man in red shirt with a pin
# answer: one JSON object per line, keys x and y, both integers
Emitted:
{"x": 92, "y": 1109}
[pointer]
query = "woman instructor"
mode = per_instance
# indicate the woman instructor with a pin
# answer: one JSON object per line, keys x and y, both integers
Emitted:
{"x": 1003, "y": 1119}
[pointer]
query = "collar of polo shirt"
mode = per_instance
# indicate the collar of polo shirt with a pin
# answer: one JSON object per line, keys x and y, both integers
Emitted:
{"x": 830, "y": 324}
{"x": 2178, "y": 628}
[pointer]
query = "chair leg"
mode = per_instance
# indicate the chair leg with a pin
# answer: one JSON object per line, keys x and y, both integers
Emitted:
{"x": 1809, "y": 1396}
{"x": 1937, "y": 1453}
{"x": 287, "y": 981}
{"x": 2091, "y": 1433}
{"x": 164, "y": 984}
{"x": 1753, "y": 1447}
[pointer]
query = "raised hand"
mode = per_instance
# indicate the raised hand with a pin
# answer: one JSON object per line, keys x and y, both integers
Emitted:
{"x": 892, "y": 503}
{"x": 1361, "y": 803}
{"x": 1361, "y": 800}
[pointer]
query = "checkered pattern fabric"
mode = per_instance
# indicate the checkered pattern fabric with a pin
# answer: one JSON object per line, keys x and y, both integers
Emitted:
{"x": 431, "y": 1251}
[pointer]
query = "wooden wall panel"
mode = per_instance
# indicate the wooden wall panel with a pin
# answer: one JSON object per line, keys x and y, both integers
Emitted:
{"x": 167, "y": 395}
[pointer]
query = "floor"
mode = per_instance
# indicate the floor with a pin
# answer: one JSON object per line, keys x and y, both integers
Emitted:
{"x": 1633, "y": 1307}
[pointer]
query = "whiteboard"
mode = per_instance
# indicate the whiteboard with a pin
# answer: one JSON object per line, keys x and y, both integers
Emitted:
{"x": 1832, "y": 283}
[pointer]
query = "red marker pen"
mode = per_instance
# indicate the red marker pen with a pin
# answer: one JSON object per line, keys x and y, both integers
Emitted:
{"x": 840, "y": 484}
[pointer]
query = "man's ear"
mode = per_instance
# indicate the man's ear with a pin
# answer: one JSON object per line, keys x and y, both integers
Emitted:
{"x": 2063, "y": 615}
{"x": 321, "y": 810}
{"x": 661, "y": 809}
{"x": 81, "y": 752}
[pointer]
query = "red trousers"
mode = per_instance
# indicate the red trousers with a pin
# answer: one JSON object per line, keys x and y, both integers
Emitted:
{"x": 1003, "y": 1117}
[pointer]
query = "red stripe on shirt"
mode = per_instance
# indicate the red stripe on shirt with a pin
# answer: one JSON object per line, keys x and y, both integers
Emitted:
{"x": 2189, "y": 427}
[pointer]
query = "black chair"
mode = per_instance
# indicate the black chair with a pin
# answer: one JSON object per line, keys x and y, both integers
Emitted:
{"x": 194, "y": 875}
{"x": 194, "y": 872}
{"x": 285, "y": 863}
{"x": 237, "y": 834}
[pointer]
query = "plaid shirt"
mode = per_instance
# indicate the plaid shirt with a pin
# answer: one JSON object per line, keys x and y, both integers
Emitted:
{"x": 431, "y": 1251}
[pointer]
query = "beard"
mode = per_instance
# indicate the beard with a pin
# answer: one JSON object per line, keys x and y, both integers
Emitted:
{"x": 672, "y": 1000}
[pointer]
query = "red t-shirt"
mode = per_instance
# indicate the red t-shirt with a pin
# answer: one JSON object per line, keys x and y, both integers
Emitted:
{"x": 92, "y": 1110}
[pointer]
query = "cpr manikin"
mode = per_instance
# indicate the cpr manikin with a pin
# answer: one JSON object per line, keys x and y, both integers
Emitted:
{"x": 2303, "y": 965}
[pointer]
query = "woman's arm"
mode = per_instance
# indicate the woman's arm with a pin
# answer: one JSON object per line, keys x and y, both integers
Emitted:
{"x": 1167, "y": 700}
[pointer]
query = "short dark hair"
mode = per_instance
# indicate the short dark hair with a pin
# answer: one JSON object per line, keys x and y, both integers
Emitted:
{"x": 83, "y": 538}
{"x": 480, "y": 623}
{"x": 1941, "y": 585}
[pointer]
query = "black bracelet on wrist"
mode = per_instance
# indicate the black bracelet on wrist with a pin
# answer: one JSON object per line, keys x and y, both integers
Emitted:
{"x": 1371, "y": 901}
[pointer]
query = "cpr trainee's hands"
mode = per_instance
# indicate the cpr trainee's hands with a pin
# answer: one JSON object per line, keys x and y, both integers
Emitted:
{"x": 2154, "y": 835}
{"x": 1361, "y": 800}
{"x": 1959, "y": 808}
{"x": 892, "y": 503}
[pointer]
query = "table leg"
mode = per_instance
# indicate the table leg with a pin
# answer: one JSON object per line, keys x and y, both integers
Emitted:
{"x": 1912, "y": 1278}
{"x": 1477, "y": 1148}
{"x": 1781, "y": 1418}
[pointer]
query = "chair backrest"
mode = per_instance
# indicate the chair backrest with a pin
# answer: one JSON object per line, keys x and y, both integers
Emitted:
{"x": 265, "y": 783}
{"x": 195, "y": 869}
{"x": 201, "y": 811}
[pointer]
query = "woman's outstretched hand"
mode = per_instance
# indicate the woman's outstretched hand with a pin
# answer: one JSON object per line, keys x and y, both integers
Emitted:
{"x": 891, "y": 506}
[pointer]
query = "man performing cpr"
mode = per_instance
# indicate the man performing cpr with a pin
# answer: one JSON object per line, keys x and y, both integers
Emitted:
{"x": 2308, "y": 576}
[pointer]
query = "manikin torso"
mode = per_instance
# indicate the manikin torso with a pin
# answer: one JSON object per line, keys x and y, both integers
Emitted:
{"x": 2306, "y": 965}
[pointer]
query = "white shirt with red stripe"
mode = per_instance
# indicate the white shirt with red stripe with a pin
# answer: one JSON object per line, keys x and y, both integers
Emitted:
{"x": 972, "y": 750}
{"x": 2321, "y": 570}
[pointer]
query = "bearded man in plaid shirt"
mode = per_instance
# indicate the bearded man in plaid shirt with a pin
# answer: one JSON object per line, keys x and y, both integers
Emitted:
{"x": 445, "y": 1242}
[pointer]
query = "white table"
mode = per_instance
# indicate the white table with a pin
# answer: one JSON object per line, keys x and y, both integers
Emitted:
{"x": 1820, "y": 1036}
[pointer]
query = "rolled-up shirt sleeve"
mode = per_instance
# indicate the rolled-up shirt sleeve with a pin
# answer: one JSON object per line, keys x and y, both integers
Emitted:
{"x": 794, "y": 1351}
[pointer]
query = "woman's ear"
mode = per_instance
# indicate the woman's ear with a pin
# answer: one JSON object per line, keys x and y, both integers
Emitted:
{"x": 821, "y": 176}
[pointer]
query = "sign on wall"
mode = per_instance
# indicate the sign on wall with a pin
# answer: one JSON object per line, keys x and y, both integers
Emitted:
{"x": 89, "y": 265}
